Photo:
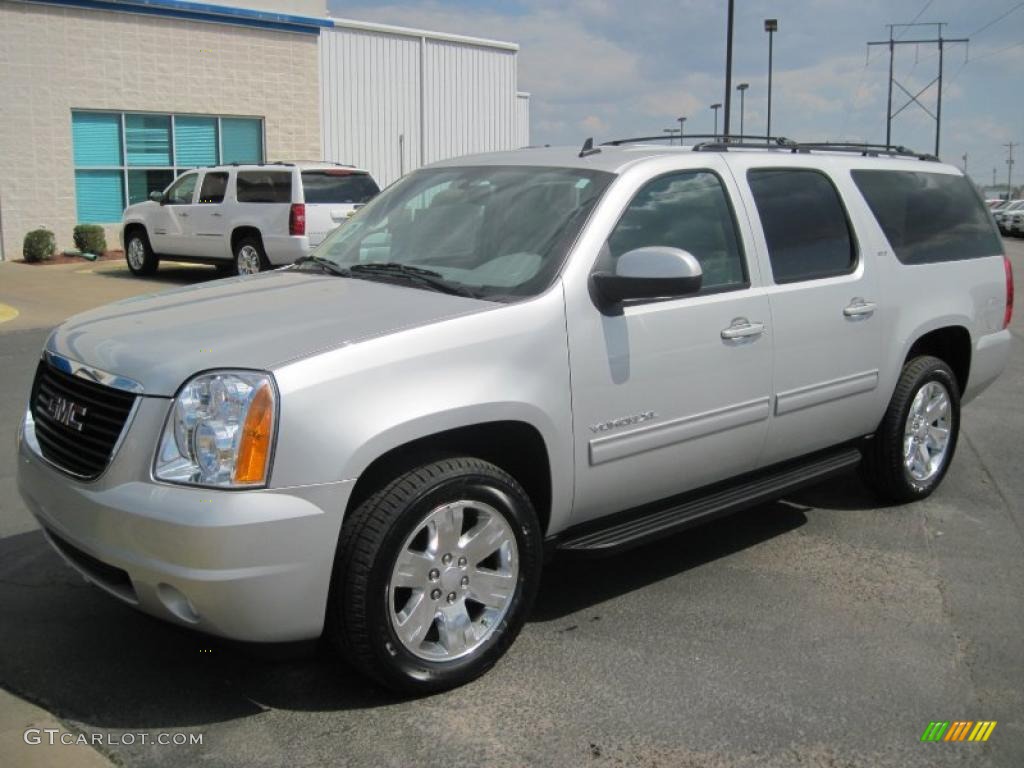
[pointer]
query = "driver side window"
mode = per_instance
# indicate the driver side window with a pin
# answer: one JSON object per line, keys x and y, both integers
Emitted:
{"x": 687, "y": 210}
{"x": 181, "y": 191}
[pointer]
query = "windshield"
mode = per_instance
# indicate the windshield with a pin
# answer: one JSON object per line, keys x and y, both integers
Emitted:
{"x": 499, "y": 231}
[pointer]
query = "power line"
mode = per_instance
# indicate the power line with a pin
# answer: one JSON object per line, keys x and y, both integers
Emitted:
{"x": 996, "y": 20}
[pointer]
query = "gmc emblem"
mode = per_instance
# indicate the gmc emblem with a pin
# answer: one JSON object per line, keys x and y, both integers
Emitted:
{"x": 66, "y": 412}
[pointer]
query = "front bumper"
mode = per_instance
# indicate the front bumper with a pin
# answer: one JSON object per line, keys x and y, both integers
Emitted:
{"x": 248, "y": 565}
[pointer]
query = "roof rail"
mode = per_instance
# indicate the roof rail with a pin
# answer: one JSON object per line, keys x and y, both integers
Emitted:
{"x": 719, "y": 143}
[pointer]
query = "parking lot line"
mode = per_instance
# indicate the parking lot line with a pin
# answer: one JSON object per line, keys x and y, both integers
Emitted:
{"x": 7, "y": 313}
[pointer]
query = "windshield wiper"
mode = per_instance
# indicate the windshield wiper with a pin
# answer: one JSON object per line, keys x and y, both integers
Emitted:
{"x": 420, "y": 275}
{"x": 325, "y": 264}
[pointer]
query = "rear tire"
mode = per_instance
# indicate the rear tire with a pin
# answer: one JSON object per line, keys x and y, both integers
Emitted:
{"x": 250, "y": 257}
{"x": 915, "y": 443}
{"x": 139, "y": 255}
{"x": 418, "y": 602}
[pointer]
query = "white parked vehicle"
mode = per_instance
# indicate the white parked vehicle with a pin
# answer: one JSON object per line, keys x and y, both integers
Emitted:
{"x": 243, "y": 218}
{"x": 1003, "y": 214}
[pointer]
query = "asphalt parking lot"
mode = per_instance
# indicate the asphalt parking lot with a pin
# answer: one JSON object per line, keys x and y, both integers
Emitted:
{"x": 822, "y": 630}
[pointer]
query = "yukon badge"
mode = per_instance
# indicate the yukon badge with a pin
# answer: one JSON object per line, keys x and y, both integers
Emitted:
{"x": 624, "y": 421}
{"x": 66, "y": 412}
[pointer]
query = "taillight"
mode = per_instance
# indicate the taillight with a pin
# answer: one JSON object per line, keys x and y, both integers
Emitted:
{"x": 297, "y": 219}
{"x": 1009, "y": 293}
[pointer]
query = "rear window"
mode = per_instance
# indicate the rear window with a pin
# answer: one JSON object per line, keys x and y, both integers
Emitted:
{"x": 929, "y": 217}
{"x": 338, "y": 187}
{"x": 264, "y": 186}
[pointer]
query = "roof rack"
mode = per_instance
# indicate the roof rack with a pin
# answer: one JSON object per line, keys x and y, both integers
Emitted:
{"x": 719, "y": 143}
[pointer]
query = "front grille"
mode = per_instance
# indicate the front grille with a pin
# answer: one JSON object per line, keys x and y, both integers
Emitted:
{"x": 77, "y": 421}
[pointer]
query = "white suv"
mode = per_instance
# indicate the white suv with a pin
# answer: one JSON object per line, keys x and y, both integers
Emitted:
{"x": 243, "y": 218}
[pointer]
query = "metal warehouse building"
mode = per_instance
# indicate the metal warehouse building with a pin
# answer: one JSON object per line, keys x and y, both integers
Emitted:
{"x": 106, "y": 101}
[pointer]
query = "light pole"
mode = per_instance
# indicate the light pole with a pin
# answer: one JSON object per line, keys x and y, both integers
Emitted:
{"x": 742, "y": 88}
{"x": 728, "y": 69}
{"x": 681, "y": 121}
{"x": 671, "y": 132}
{"x": 716, "y": 107}
{"x": 771, "y": 26}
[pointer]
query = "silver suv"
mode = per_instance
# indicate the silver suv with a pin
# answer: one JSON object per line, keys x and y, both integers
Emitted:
{"x": 505, "y": 356}
{"x": 243, "y": 218}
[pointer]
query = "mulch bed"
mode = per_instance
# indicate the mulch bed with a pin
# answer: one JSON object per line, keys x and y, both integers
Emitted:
{"x": 60, "y": 258}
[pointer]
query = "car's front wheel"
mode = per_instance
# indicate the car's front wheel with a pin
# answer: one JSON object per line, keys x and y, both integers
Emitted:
{"x": 914, "y": 445}
{"x": 139, "y": 255}
{"x": 435, "y": 574}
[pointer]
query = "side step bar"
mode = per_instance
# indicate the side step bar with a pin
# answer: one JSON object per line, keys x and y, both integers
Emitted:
{"x": 654, "y": 521}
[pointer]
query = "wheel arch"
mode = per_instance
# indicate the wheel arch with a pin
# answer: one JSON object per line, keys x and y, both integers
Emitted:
{"x": 515, "y": 446}
{"x": 951, "y": 344}
{"x": 242, "y": 231}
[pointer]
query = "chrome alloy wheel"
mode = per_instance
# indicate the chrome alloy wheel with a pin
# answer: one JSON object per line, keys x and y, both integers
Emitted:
{"x": 136, "y": 253}
{"x": 248, "y": 260}
{"x": 926, "y": 433}
{"x": 453, "y": 580}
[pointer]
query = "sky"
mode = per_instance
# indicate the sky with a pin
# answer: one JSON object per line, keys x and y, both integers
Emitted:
{"x": 615, "y": 68}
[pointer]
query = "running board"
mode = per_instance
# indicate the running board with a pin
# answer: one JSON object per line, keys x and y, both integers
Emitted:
{"x": 654, "y": 521}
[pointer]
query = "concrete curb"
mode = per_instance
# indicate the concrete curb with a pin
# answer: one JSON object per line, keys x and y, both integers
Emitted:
{"x": 17, "y": 716}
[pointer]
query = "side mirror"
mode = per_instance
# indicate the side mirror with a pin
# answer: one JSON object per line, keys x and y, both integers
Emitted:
{"x": 157, "y": 197}
{"x": 654, "y": 272}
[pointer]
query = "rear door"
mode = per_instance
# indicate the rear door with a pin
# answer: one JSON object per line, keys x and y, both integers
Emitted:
{"x": 824, "y": 293}
{"x": 207, "y": 223}
{"x": 331, "y": 196}
{"x": 170, "y": 231}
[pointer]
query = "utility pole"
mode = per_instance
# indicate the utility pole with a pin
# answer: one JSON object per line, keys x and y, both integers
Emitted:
{"x": 1009, "y": 169}
{"x": 715, "y": 108}
{"x": 913, "y": 97}
{"x": 728, "y": 70}
{"x": 771, "y": 26}
{"x": 681, "y": 121}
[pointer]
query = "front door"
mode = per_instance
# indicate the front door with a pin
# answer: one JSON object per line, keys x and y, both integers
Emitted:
{"x": 171, "y": 227}
{"x": 674, "y": 394}
{"x": 824, "y": 296}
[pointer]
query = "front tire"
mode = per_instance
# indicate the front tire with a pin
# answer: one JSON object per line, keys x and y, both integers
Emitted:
{"x": 915, "y": 443}
{"x": 434, "y": 576}
{"x": 139, "y": 254}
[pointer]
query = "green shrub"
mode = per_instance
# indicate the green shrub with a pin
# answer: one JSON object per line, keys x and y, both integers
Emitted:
{"x": 89, "y": 238}
{"x": 39, "y": 245}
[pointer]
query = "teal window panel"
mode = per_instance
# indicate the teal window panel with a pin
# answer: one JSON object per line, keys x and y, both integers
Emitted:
{"x": 97, "y": 138}
{"x": 195, "y": 141}
{"x": 147, "y": 139}
{"x": 99, "y": 196}
{"x": 241, "y": 140}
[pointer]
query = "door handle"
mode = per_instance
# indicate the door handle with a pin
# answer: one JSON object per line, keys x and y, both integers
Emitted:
{"x": 741, "y": 328}
{"x": 183, "y": 215}
{"x": 858, "y": 307}
{"x": 216, "y": 214}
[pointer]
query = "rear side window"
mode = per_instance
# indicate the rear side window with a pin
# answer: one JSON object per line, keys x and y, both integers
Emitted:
{"x": 339, "y": 186}
{"x": 804, "y": 222}
{"x": 214, "y": 185}
{"x": 687, "y": 210}
{"x": 929, "y": 217}
{"x": 264, "y": 186}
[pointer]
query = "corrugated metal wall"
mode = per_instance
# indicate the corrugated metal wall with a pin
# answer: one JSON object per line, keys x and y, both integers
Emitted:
{"x": 372, "y": 83}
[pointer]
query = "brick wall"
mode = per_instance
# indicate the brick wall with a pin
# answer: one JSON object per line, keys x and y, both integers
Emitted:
{"x": 53, "y": 59}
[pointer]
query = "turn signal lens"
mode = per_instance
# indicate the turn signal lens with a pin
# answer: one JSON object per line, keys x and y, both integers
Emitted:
{"x": 257, "y": 435}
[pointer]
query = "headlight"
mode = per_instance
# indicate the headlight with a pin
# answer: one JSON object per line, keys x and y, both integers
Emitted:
{"x": 220, "y": 431}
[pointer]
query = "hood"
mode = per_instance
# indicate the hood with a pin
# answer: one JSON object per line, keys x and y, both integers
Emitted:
{"x": 160, "y": 340}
